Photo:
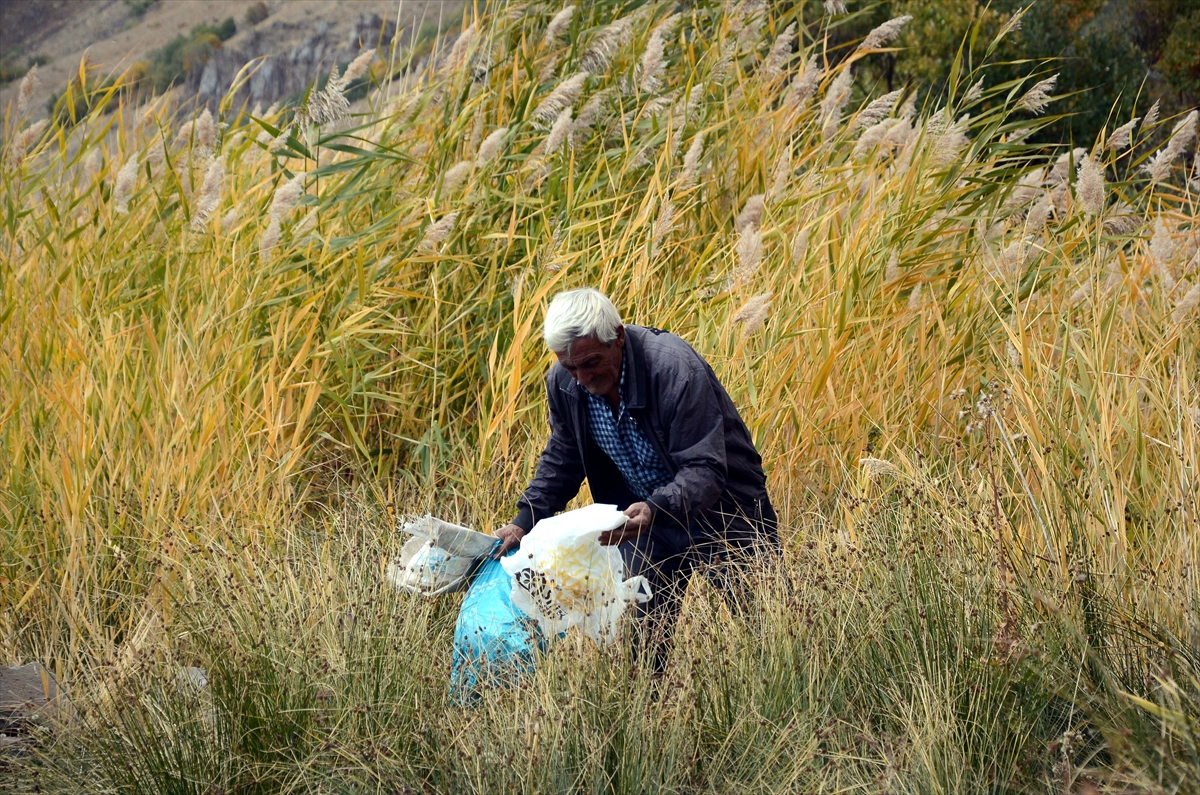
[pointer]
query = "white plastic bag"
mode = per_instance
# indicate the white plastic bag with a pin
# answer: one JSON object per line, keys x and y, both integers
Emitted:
{"x": 439, "y": 558}
{"x": 563, "y": 578}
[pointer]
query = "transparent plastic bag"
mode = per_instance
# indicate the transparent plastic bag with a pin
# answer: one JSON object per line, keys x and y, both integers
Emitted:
{"x": 563, "y": 578}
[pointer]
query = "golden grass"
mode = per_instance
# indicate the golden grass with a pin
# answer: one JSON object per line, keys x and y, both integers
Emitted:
{"x": 170, "y": 384}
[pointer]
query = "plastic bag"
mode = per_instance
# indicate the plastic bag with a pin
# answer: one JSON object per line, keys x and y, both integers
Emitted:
{"x": 439, "y": 558}
{"x": 494, "y": 641}
{"x": 563, "y": 578}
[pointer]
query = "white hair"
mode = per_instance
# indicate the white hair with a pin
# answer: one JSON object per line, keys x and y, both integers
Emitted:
{"x": 576, "y": 314}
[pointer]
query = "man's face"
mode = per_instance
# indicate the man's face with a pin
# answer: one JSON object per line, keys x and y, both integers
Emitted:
{"x": 596, "y": 366}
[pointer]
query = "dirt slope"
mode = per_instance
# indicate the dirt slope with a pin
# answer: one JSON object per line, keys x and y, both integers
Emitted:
{"x": 113, "y": 37}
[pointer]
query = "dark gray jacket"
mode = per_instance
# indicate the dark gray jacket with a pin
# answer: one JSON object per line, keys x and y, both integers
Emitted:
{"x": 685, "y": 413}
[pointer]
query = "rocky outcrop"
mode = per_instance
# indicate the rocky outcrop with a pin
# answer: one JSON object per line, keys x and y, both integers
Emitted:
{"x": 281, "y": 75}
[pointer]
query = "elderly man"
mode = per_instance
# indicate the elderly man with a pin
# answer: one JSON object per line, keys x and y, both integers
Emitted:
{"x": 643, "y": 417}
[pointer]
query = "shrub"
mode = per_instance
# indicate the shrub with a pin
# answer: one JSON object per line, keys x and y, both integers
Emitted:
{"x": 257, "y": 12}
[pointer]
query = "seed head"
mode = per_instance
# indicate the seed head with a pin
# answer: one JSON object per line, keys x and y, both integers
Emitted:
{"x": 833, "y": 7}
{"x": 123, "y": 186}
{"x": 490, "y": 146}
{"x": 804, "y": 85}
{"x": 781, "y": 53}
{"x": 600, "y": 52}
{"x": 691, "y": 162}
{"x": 875, "y": 112}
{"x": 749, "y": 251}
{"x": 210, "y": 193}
{"x": 663, "y": 225}
{"x": 1162, "y": 252}
{"x": 877, "y": 467}
{"x": 558, "y": 133}
{"x": 1152, "y": 117}
{"x": 28, "y": 86}
{"x": 915, "y": 301}
{"x": 357, "y": 68}
{"x": 455, "y": 175}
{"x": 1089, "y": 187}
{"x": 94, "y": 161}
{"x": 437, "y": 233}
{"x": 893, "y": 267}
{"x": 884, "y": 33}
{"x": 1121, "y": 136}
{"x": 1159, "y": 167}
{"x": 799, "y": 248}
{"x": 1186, "y": 305}
{"x": 974, "y": 93}
{"x": 563, "y": 96}
{"x": 558, "y": 26}
{"x": 753, "y": 314}
{"x": 835, "y": 99}
{"x": 651, "y": 67}
{"x": 751, "y": 214}
{"x": 1037, "y": 98}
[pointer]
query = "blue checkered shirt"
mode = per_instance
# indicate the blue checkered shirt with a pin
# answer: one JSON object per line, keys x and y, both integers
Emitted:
{"x": 625, "y": 444}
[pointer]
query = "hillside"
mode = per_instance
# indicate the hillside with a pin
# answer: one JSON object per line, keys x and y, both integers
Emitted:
{"x": 305, "y": 36}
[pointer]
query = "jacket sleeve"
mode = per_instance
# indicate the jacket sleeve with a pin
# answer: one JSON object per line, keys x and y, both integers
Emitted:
{"x": 559, "y": 473}
{"x": 696, "y": 444}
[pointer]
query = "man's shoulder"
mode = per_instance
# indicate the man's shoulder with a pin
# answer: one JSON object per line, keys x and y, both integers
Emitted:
{"x": 662, "y": 349}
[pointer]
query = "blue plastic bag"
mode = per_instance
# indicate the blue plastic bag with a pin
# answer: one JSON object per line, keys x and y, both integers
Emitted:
{"x": 494, "y": 642}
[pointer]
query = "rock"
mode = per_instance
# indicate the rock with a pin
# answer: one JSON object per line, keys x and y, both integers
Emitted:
{"x": 370, "y": 30}
{"x": 191, "y": 678}
{"x": 30, "y": 691}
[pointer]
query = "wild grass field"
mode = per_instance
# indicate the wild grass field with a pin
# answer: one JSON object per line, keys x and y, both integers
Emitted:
{"x": 233, "y": 352}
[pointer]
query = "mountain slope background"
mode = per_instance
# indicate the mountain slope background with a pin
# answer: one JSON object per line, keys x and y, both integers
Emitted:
{"x": 309, "y": 36}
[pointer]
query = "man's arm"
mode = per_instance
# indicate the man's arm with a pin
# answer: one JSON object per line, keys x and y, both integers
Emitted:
{"x": 696, "y": 443}
{"x": 557, "y": 480}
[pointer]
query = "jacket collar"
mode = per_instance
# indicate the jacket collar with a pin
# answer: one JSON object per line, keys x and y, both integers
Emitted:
{"x": 635, "y": 372}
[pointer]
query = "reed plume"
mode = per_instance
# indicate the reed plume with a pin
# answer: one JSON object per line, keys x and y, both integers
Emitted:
{"x": 600, "y": 52}
{"x": 1159, "y": 167}
{"x": 558, "y": 133}
{"x": 751, "y": 214}
{"x": 1186, "y": 306}
{"x": 210, "y": 193}
{"x": 883, "y": 34}
{"x": 438, "y": 233}
{"x": 749, "y": 252}
{"x": 94, "y": 162}
{"x": 1152, "y": 117}
{"x": 893, "y": 267}
{"x": 1089, "y": 186}
{"x": 455, "y": 175}
{"x": 1037, "y": 98}
{"x": 286, "y": 196}
{"x": 799, "y": 249}
{"x": 875, "y": 468}
{"x": 663, "y": 225}
{"x": 123, "y": 186}
{"x": 875, "y": 112}
{"x": 781, "y": 52}
{"x": 558, "y": 26}
{"x": 29, "y": 84}
{"x": 803, "y": 86}
{"x": 490, "y": 146}
{"x": 1120, "y": 139}
{"x": 835, "y": 99}
{"x": 691, "y": 162}
{"x": 753, "y": 314}
{"x": 1162, "y": 253}
{"x": 23, "y": 141}
{"x": 563, "y": 96}
{"x": 833, "y": 7}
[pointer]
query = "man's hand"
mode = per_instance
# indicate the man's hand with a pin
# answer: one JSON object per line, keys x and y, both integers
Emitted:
{"x": 512, "y": 535}
{"x": 639, "y": 522}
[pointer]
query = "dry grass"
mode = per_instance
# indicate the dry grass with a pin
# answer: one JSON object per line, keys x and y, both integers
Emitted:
{"x": 187, "y": 412}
